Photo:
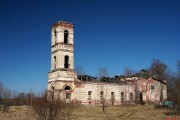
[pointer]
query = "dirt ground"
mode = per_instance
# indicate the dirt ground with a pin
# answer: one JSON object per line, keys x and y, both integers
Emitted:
{"x": 146, "y": 112}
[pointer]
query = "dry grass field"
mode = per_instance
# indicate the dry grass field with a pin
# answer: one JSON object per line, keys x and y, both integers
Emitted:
{"x": 95, "y": 113}
{"x": 18, "y": 113}
{"x": 124, "y": 113}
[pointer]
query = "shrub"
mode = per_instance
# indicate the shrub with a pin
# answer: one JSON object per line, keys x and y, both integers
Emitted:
{"x": 53, "y": 109}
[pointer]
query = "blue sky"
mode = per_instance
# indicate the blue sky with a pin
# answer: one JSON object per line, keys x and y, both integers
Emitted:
{"x": 111, "y": 34}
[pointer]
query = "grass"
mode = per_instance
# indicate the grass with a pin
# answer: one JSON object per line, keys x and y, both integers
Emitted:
{"x": 123, "y": 113}
{"x": 138, "y": 112}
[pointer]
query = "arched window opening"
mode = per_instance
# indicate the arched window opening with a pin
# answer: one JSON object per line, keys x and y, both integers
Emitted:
{"x": 54, "y": 62}
{"x": 141, "y": 96}
{"x": 152, "y": 87}
{"x": 66, "y": 33}
{"x": 112, "y": 95}
{"x": 55, "y": 34}
{"x": 131, "y": 96}
{"x": 122, "y": 97}
{"x": 67, "y": 88}
{"x": 101, "y": 96}
{"x": 112, "y": 98}
{"x": 66, "y": 61}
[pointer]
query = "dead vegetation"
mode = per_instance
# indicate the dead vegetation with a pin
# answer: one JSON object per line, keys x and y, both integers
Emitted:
{"x": 50, "y": 108}
{"x": 146, "y": 112}
{"x": 18, "y": 113}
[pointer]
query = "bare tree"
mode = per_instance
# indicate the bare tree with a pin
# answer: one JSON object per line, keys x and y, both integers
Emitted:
{"x": 79, "y": 70}
{"x": 160, "y": 68}
{"x": 1, "y": 92}
{"x": 173, "y": 84}
{"x": 178, "y": 69}
{"x": 128, "y": 71}
{"x": 29, "y": 98}
{"x": 22, "y": 98}
{"x": 177, "y": 84}
{"x": 102, "y": 72}
{"x": 5, "y": 95}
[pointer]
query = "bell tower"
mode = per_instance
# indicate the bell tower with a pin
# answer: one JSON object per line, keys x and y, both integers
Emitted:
{"x": 61, "y": 77}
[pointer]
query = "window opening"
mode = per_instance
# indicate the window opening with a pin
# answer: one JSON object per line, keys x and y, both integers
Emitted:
{"x": 68, "y": 95}
{"x": 66, "y": 62}
{"x": 112, "y": 98}
{"x": 101, "y": 96}
{"x": 152, "y": 87}
{"x": 122, "y": 97}
{"x": 131, "y": 96}
{"x": 89, "y": 92}
{"x": 55, "y": 34}
{"x": 112, "y": 95}
{"x": 66, "y": 33}
{"x": 54, "y": 62}
{"x": 89, "y": 96}
{"x": 141, "y": 97}
{"x": 67, "y": 88}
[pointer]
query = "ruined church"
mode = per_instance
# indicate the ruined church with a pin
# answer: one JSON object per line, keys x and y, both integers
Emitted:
{"x": 65, "y": 84}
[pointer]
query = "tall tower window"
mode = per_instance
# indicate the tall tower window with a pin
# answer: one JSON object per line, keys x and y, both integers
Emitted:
{"x": 66, "y": 33}
{"x": 54, "y": 62}
{"x": 55, "y": 36}
{"x": 55, "y": 33}
{"x": 66, "y": 61}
